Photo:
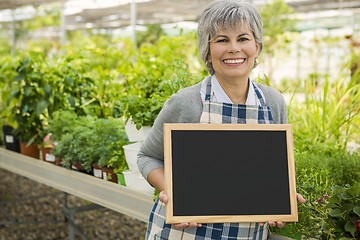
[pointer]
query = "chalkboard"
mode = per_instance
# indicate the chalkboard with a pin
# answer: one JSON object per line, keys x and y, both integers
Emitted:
{"x": 218, "y": 173}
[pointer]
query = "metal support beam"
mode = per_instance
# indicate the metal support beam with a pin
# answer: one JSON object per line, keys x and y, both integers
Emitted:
{"x": 13, "y": 29}
{"x": 133, "y": 20}
{"x": 63, "y": 24}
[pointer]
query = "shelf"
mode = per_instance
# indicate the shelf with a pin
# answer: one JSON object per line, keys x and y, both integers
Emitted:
{"x": 122, "y": 199}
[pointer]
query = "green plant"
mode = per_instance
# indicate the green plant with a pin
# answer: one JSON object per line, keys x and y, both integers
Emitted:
{"x": 31, "y": 92}
{"x": 78, "y": 145}
{"x": 88, "y": 139}
{"x": 110, "y": 139}
{"x": 144, "y": 107}
{"x": 328, "y": 113}
{"x": 343, "y": 220}
{"x": 61, "y": 123}
{"x": 8, "y": 65}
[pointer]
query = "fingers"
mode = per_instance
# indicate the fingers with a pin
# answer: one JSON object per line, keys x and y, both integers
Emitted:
{"x": 186, "y": 225}
{"x": 163, "y": 197}
{"x": 300, "y": 198}
{"x": 278, "y": 224}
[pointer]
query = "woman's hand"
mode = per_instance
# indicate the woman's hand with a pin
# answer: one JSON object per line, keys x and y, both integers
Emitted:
{"x": 280, "y": 224}
{"x": 164, "y": 199}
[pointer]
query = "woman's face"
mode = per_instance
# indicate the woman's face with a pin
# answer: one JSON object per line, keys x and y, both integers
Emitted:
{"x": 233, "y": 52}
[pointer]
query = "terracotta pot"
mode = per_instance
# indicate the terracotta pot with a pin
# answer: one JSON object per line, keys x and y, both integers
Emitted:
{"x": 47, "y": 156}
{"x": 109, "y": 175}
{"x": 76, "y": 166}
{"x": 32, "y": 150}
{"x": 97, "y": 170}
{"x": 58, "y": 161}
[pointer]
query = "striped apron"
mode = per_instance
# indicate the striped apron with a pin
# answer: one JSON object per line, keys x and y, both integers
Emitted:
{"x": 214, "y": 112}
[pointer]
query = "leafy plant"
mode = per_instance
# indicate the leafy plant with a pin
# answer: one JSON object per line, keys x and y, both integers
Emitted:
{"x": 110, "y": 139}
{"x": 78, "y": 145}
{"x": 329, "y": 114}
{"x": 88, "y": 139}
{"x": 343, "y": 220}
{"x": 31, "y": 92}
{"x": 144, "y": 107}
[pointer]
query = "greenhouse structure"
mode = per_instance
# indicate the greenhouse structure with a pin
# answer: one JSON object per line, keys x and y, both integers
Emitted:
{"x": 82, "y": 83}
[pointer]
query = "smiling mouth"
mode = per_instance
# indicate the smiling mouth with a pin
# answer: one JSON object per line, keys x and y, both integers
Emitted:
{"x": 234, "y": 61}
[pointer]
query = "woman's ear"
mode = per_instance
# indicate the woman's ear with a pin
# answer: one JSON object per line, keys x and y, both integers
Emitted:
{"x": 258, "y": 48}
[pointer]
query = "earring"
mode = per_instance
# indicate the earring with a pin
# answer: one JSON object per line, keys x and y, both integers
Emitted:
{"x": 209, "y": 67}
{"x": 256, "y": 62}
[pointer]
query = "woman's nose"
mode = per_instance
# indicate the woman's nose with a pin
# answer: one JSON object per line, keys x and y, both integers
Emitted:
{"x": 234, "y": 46}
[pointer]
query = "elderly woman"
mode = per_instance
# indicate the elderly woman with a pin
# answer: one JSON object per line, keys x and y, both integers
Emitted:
{"x": 229, "y": 41}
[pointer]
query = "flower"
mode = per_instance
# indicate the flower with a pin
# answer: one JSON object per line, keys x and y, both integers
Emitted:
{"x": 357, "y": 224}
{"x": 326, "y": 196}
{"x": 320, "y": 200}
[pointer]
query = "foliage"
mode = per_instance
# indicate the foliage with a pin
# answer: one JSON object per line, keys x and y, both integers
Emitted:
{"x": 61, "y": 123}
{"x": 275, "y": 23}
{"x": 154, "y": 78}
{"x": 318, "y": 170}
{"x": 328, "y": 113}
{"x": 151, "y": 35}
{"x": 31, "y": 93}
{"x": 110, "y": 139}
{"x": 8, "y": 66}
{"x": 77, "y": 145}
{"x": 323, "y": 125}
{"x": 276, "y": 30}
{"x": 88, "y": 139}
{"x": 343, "y": 220}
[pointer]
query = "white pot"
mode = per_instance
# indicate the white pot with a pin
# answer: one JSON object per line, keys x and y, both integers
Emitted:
{"x": 135, "y": 135}
{"x": 136, "y": 181}
{"x": 131, "y": 152}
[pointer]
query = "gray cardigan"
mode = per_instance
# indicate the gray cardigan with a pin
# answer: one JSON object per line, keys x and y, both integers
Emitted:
{"x": 186, "y": 107}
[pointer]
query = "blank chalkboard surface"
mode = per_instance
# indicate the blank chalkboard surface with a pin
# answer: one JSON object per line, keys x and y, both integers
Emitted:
{"x": 229, "y": 173}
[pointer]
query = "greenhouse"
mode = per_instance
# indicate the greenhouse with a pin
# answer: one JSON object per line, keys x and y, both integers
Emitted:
{"x": 92, "y": 127}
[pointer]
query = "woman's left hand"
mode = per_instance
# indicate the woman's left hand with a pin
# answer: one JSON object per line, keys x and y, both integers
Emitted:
{"x": 280, "y": 224}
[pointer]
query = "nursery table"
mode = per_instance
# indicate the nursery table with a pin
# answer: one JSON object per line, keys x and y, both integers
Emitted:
{"x": 122, "y": 199}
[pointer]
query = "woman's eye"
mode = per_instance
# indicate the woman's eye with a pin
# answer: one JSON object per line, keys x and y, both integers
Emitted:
{"x": 243, "y": 39}
{"x": 221, "y": 40}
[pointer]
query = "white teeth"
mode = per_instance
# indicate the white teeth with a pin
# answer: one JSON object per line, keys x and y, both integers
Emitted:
{"x": 235, "y": 60}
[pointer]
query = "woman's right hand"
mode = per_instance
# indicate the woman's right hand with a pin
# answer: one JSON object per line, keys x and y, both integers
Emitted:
{"x": 164, "y": 199}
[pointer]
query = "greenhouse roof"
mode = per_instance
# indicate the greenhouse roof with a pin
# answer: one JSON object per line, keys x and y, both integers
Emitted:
{"x": 116, "y": 13}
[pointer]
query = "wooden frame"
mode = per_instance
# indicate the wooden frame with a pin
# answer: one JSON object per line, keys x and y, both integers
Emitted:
{"x": 203, "y": 199}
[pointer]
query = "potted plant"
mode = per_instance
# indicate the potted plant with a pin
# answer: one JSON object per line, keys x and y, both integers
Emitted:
{"x": 7, "y": 72}
{"x": 31, "y": 95}
{"x": 109, "y": 154}
{"x": 76, "y": 147}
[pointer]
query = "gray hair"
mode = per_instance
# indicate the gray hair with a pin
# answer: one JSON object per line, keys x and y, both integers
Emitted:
{"x": 221, "y": 14}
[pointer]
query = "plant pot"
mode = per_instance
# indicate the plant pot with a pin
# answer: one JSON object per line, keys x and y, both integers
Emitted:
{"x": 97, "y": 170}
{"x": 135, "y": 135}
{"x": 121, "y": 179}
{"x": 136, "y": 181}
{"x": 32, "y": 150}
{"x": 76, "y": 166}
{"x": 11, "y": 141}
{"x": 58, "y": 161}
{"x": 131, "y": 152}
{"x": 109, "y": 175}
{"x": 47, "y": 156}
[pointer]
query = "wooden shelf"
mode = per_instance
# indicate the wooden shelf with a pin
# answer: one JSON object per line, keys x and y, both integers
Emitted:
{"x": 108, "y": 194}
